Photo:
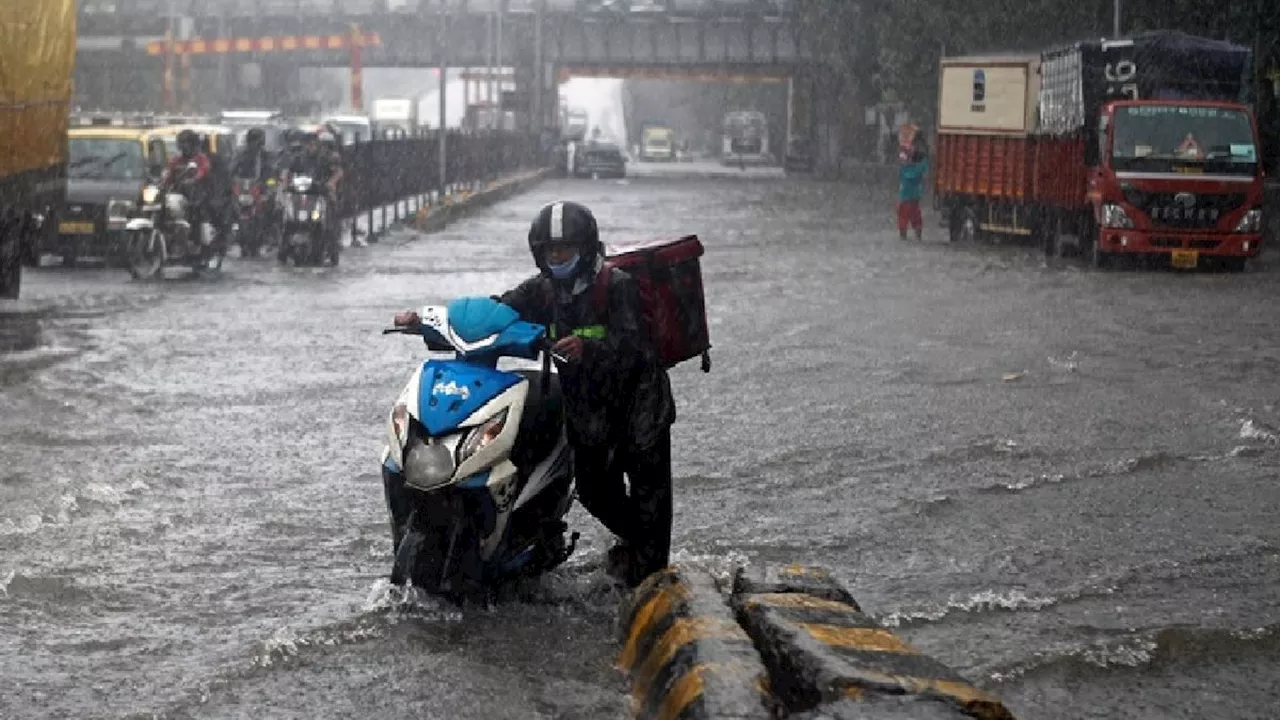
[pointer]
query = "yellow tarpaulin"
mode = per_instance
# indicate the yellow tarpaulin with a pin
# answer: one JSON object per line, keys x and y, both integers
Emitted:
{"x": 37, "y": 56}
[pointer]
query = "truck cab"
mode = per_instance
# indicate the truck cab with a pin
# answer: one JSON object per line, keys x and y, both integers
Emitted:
{"x": 1181, "y": 178}
{"x": 657, "y": 143}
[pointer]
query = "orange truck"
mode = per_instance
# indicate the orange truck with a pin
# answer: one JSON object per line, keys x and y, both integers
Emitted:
{"x": 37, "y": 56}
{"x": 1136, "y": 147}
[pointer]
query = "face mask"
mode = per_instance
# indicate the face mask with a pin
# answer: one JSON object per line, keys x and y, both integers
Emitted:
{"x": 564, "y": 269}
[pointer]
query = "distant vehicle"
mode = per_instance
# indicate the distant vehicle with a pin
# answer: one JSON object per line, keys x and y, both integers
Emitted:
{"x": 353, "y": 128}
{"x": 272, "y": 122}
{"x": 575, "y": 125}
{"x": 600, "y": 160}
{"x": 1156, "y": 157}
{"x": 219, "y": 139}
{"x": 745, "y": 138}
{"x": 657, "y": 143}
{"x": 394, "y": 116}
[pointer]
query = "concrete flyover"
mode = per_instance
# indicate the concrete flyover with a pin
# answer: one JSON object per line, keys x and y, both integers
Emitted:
{"x": 812, "y": 653}
{"x": 545, "y": 41}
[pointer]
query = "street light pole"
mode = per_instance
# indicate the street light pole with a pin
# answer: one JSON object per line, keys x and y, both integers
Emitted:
{"x": 1115, "y": 21}
{"x": 444, "y": 87}
{"x": 497, "y": 51}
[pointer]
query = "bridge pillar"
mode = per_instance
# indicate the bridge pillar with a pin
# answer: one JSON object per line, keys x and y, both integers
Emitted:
{"x": 835, "y": 107}
{"x": 800, "y": 107}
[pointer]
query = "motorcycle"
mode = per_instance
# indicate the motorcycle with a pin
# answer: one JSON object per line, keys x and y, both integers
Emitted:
{"x": 477, "y": 470}
{"x": 161, "y": 234}
{"x": 307, "y": 238}
{"x": 258, "y": 224}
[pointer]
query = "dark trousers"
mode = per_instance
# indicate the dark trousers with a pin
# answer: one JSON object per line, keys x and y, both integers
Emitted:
{"x": 641, "y": 518}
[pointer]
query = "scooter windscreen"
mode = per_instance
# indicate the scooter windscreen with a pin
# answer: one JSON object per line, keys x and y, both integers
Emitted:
{"x": 481, "y": 327}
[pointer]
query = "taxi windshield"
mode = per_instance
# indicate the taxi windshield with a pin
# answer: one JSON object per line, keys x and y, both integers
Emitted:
{"x": 1173, "y": 138}
{"x": 105, "y": 159}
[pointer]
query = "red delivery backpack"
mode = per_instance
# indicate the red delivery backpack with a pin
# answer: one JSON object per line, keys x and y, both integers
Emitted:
{"x": 669, "y": 277}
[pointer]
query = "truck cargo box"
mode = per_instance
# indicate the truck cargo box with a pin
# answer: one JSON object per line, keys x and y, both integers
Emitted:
{"x": 989, "y": 95}
{"x": 987, "y": 165}
{"x": 1078, "y": 79}
{"x": 37, "y": 55}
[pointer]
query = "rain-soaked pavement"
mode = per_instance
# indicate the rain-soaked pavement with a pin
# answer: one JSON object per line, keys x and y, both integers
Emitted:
{"x": 1062, "y": 482}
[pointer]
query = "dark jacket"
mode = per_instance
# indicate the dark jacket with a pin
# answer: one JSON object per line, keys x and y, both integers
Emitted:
{"x": 617, "y": 394}
{"x": 320, "y": 166}
{"x": 257, "y": 164}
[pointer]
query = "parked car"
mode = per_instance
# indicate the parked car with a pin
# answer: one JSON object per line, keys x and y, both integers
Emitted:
{"x": 603, "y": 160}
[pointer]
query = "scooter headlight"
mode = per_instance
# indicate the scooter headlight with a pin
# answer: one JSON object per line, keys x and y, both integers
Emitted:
{"x": 482, "y": 437}
{"x": 150, "y": 194}
{"x": 428, "y": 465}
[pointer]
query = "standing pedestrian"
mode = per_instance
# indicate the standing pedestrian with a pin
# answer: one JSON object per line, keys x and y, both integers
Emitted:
{"x": 910, "y": 189}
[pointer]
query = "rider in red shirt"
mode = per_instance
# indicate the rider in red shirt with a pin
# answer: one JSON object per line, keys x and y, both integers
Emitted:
{"x": 195, "y": 184}
{"x": 188, "y": 152}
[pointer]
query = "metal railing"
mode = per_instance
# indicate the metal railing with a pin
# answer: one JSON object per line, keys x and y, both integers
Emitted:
{"x": 400, "y": 176}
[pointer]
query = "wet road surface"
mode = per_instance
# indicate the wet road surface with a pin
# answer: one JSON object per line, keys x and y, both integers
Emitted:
{"x": 1062, "y": 482}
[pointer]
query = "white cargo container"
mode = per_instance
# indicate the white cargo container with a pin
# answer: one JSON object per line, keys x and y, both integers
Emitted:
{"x": 989, "y": 95}
{"x": 394, "y": 114}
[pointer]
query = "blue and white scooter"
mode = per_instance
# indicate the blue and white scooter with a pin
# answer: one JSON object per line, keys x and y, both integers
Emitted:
{"x": 477, "y": 470}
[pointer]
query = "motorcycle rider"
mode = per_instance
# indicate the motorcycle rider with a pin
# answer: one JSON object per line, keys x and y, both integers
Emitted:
{"x": 324, "y": 166}
{"x": 618, "y": 401}
{"x": 256, "y": 163}
{"x": 196, "y": 184}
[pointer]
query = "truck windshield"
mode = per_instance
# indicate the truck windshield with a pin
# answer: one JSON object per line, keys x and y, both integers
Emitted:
{"x": 105, "y": 159}
{"x": 1181, "y": 138}
{"x": 744, "y": 125}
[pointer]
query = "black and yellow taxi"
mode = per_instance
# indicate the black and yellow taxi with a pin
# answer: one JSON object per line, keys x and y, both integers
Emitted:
{"x": 219, "y": 140}
{"x": 107, "y": 169}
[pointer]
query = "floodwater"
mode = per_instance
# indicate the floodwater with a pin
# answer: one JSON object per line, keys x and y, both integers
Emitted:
{"x": 1062, "y": 482}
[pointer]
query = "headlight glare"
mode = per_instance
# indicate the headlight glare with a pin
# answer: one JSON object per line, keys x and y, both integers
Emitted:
{"x": 1114, "y": 216}
{"x": 150, "y": 194}
{"x": 482, "y": 436}
{"x": 1251, "y": 222}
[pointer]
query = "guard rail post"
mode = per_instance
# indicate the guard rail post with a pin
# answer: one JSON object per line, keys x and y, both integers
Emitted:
{"x": 366, "y": 158}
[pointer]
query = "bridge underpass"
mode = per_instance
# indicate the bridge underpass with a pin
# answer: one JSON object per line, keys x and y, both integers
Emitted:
{"x": 702, "y": 42}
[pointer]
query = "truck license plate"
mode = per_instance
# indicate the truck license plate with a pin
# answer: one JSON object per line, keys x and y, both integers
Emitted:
{"x": 1185, "y": 259}
{"x": 76, "y": 228}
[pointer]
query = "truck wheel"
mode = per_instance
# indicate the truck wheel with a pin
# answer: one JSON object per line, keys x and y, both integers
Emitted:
{"x": 1097, "y": 257}
{"x": 1048, "y": 232}
{"x": 10, "y": 266}
{"x": 964, "y": 225}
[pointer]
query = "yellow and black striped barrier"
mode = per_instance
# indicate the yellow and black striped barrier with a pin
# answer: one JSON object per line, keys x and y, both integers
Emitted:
{"x": 795, "y": 578}
{"x": 822, "y": 651}
{"x": 687, "y": 657}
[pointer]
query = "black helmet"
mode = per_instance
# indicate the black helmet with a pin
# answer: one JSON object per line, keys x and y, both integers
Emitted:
{"x": 255, "y": 138}
{"x": 188, "y": 142}
{"x": 565, "y": 222}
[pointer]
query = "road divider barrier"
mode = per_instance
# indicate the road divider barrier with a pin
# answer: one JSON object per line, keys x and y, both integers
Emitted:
{"x": 783, "y": 641}
{"x": 686, "y": 655}
{"x": 431, "y": 219}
